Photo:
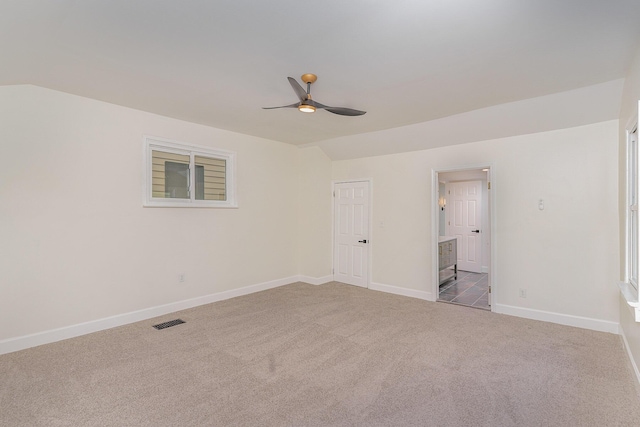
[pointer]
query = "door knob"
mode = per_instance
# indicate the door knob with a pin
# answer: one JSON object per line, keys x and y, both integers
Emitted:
{"x": 362, "y": 241}
{"x": 475, "y": 231}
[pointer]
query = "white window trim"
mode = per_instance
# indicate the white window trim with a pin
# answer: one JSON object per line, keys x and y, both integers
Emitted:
{"x": 628, "y": 227}
{"x": 151, "y": 142}
{"x": 629, "y": 290}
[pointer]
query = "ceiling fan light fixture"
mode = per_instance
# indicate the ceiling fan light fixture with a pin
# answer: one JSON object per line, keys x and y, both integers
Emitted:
{"x": 305, "y": 108}
{"x": 307, "y": 105}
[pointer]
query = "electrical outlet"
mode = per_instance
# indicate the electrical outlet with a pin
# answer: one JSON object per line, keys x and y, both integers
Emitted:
{"x": 523, "y": 293}
{"x": 181, "y": 277}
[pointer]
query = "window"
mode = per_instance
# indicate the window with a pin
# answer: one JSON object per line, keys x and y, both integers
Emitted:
{"x": 629, "y": 287}
{"x": 633, "y": 232}
{"x": 180, "y": 175}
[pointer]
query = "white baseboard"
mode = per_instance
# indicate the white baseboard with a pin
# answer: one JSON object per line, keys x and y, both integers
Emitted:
{"x": 485, "y": 269}
{"x": 315, "y": 280}
{"x": 20, "y": 343}
{"x": 628, "y": 349}
{"x": 401, "y": 291}
{"x": 562, "y": 319}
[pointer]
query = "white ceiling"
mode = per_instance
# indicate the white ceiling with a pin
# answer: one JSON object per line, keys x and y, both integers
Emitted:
{"x": 404, "y": 61}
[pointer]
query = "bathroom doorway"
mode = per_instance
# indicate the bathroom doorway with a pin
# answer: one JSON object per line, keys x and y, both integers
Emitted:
{"x": 464, "y": 237}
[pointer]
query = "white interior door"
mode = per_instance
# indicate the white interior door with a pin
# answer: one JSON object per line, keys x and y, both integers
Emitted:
{"x": 351, "y": 233}
{"x": 464, "y": 220}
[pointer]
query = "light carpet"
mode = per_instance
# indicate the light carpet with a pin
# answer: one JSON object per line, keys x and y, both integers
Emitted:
{"x": 329, "y": 355}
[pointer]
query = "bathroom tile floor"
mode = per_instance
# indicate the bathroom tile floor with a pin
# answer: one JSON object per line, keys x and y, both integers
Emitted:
{"x": 470, "y": 289}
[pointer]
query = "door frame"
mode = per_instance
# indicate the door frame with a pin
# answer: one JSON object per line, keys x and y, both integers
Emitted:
{"x": 492, "y": 197}
{"x": 369, "y": 182}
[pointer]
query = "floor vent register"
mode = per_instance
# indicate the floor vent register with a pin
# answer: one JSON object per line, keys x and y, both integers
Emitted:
{"x": 168, "y": 324}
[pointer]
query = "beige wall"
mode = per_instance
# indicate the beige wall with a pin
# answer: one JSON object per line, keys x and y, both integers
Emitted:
{"x": 314, "y": 213}
{"x": 565, "y": 256}
{"x": 77, "y": 245}
{"x": 629, "y": 109}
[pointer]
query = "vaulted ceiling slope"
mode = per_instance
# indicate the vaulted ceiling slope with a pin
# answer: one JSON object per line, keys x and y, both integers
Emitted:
{"x": 404, "y": 62}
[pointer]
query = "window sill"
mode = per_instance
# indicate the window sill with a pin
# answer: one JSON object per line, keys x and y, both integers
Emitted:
{"x": 631, "y": 296}
{"x": 148, "y": 204}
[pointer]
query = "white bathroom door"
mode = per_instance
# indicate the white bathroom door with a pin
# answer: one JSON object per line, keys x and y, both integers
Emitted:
{"x": 464, "y": 219}
{"x": 351, "y": 233}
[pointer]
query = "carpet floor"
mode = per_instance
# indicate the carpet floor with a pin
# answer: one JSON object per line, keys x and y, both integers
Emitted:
{"x": 329, "y": 355}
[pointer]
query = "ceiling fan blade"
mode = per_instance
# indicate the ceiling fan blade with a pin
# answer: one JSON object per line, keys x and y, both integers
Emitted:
{"x": 299, "y": 90}
{"x": 317, "y": 104}
{"x": 344, "y": 111}
{"x": 284, "y": 106}
{"x": 339, "y": 110}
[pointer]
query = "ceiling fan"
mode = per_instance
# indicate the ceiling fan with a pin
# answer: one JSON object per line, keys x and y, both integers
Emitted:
{"x": 308, "y": 105}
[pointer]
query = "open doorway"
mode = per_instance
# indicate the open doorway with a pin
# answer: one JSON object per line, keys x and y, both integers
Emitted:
{"x": 463, "y": 251}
